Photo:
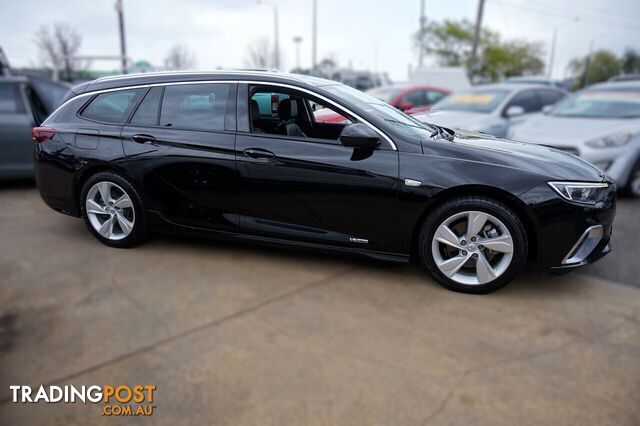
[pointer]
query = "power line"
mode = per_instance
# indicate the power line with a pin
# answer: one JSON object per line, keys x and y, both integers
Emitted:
{"x": 586, "y": 19}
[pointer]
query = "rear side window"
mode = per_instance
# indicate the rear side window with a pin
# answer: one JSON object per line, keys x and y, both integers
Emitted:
{"x": 10, "y": 102}
{"x": 194, "y": 106}
{"x": 147, "y": 112}
{"x": 112, "y": 107}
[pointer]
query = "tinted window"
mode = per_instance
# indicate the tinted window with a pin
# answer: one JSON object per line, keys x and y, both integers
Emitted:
{"x": 527, "y": 100}
{"x": 10, "y": 101}
{"x": 195, "y": 106}
{"x": 433, "y": 96}
{"x": 415, "y": 98}
{"x": 549, "y": 97}
{"x": 147, "y": 112}
{"x": 112, "y": 107}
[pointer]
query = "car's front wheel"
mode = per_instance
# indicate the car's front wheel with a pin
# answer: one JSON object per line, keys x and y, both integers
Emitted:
{"x": 473, "y": 244}
{"x": 113, "y": 210}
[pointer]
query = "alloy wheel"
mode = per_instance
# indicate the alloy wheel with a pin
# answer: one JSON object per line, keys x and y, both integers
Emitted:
{"x": 110, "y": 210}
{"x": 472, "y": 247}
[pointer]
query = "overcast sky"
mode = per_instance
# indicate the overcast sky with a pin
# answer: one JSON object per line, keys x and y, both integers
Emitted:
{"x": 368, "y": 34}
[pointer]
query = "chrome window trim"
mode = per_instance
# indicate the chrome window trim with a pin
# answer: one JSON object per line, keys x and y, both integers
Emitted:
{"x": 258, "y": 82}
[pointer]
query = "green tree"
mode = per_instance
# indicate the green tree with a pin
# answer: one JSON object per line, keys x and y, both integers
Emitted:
{"x": 450, "y": 42}
{"x": 630, "y": 62}
{"x": 601, "y": 66}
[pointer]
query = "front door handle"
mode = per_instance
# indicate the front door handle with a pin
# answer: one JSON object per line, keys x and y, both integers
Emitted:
{"x": 143, "y": 139}
{"x": 258, "y": 153}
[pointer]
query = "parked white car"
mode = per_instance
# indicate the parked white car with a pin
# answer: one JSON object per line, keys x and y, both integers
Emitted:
{"x": 492, "y": 108}
{"x": 600, "y": 124}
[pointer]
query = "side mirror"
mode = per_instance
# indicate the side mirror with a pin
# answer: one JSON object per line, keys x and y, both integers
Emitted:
{"x": 404, "y": 106}
{"x": 514, "y": 111}
{"x": 547, "y": 109}
{"x": 358, "y": 135}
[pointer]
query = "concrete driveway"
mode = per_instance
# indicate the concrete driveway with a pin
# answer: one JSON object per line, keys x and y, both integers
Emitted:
{"x": 237, "y": 334}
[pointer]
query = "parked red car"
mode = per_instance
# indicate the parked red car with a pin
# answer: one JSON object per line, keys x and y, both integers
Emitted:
{"x": 409, "y": 98}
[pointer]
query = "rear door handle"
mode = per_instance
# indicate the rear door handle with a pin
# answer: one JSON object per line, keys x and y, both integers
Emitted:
{"x": 143, "y": 139}
{"x": 258, "y": 153}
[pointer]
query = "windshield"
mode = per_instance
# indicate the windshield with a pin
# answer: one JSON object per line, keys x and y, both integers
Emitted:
{"x": 621, "y": 102}
{"x": 386, "y": 94}
{"x": 399, "y": 120}
{"x": 482, "y": 100}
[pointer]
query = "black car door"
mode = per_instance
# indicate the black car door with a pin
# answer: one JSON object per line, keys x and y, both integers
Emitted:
{"x": 311, "y": 189}
{"x": 179, "y": 147}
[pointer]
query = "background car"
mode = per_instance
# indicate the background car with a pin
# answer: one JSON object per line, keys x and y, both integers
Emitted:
{"x": 601, "y": 124}
{"x": 492, "y": 108}
{"x": 409, "y": 98}
{"x": 25, "y": 101}
{"x": 533, "y": 79}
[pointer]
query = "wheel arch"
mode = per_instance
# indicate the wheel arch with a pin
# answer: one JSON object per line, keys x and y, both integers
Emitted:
{"x": 497, "y": 194}
{"x": 86, "y": 174}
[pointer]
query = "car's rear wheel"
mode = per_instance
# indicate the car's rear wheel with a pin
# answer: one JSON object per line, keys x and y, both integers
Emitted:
{"x": 473, "y": 244}
{"x": 113, "y": 210}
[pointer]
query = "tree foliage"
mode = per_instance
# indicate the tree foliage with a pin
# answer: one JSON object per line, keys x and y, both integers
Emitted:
{"x": 601, "y": 66}
{"x": 451, "y": 42}
{"x": 630, "y": 62}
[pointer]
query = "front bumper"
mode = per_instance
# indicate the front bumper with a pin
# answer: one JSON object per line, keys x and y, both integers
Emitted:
{"x": 562, "y": 228}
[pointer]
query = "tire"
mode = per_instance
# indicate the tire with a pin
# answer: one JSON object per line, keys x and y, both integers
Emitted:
{"x": 632, "y": 189}
{"x": 129, "y": 225}
{"x": 466, "y": 263}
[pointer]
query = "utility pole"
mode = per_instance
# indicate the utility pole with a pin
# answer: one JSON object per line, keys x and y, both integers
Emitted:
{"x": 276, "y": 47}
{"x": 123, "y": 43}
{"x": 473, "y": 67}
{"x": 553, "y": 43}
{"x": 314, "y": 35}
{"x": 423, "y": 23}
{"x": 297, "y": 40}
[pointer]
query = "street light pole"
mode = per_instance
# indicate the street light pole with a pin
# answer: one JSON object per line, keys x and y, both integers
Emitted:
{"x": 314, "y": 35}
{"x": 476, "y": 41}
{"x": 297, "y": 40}
{"x": 553, "y": 43}
{"x": 123, "y": 42}
{"x": 423, "y": 23}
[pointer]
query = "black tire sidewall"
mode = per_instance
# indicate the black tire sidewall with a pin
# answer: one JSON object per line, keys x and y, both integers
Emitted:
{"x": 139, "y": 232}
{"x": 486, "y": 205}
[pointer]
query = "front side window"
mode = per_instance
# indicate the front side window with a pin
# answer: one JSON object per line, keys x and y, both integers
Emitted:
{"x": 10, "y": 101}
{"x": 194, "y": 106}
{"x": 413, "y": 99}
{"x": 293, "y": 114}
{"x": 112, "y": 107}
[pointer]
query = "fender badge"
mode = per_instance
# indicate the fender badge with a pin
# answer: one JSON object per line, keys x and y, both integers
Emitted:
{"x": 411, "y": 182}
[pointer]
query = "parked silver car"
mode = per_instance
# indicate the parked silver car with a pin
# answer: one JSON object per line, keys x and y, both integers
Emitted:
{"x": 493, "y": 108}
{"x": 601, "y": 124}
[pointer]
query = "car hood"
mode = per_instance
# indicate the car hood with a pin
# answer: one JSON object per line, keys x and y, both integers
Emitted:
{"x": 532, "y": 158}
{"x": 567, "y": 131}
{"x": 457, "y": 119}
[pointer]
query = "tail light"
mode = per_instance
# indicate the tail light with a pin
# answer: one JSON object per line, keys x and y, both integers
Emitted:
{"x": 41, "y": 134}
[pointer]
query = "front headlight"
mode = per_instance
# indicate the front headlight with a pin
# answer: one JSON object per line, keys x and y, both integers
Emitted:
{"x": 611, "y": 141}
{"x": 581, "y": 192}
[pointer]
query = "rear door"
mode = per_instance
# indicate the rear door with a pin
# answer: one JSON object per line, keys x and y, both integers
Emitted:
{"x": 16, "y": 121}
{"x": 179, "y": 146}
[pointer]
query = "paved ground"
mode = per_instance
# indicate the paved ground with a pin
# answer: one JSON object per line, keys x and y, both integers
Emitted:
{"x": 234, "y": 334}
